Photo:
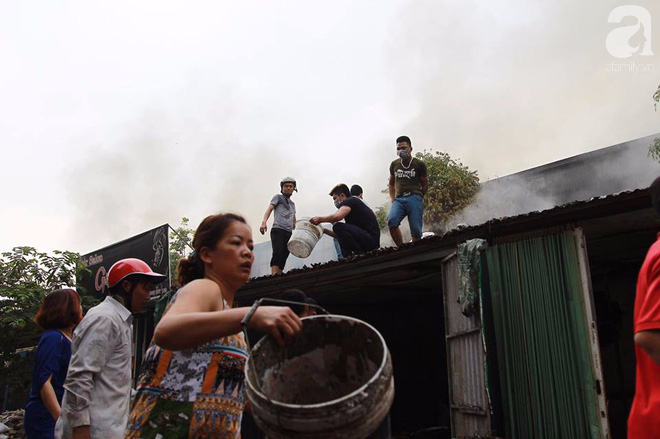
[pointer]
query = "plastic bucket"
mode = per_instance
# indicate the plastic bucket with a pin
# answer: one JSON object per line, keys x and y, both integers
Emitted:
{"x": 333, "y": 381}
{"x": 303, "y": 238}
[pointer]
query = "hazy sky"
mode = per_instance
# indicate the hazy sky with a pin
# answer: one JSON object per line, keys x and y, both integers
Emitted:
{"x": 117, "y": 117}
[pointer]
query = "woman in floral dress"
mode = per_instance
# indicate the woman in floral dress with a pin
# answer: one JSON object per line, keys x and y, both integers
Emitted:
{"x": 191, "y": 384}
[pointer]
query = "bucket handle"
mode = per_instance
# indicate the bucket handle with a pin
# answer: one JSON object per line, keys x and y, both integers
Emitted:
{"x": 246, "y": 320}
{"x": 248, "y": 317}
{"x": 259, "y": 302}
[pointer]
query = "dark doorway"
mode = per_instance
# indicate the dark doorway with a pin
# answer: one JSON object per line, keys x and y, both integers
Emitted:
{"x": 405, "y": 306}
{"x": 614, "y": 262}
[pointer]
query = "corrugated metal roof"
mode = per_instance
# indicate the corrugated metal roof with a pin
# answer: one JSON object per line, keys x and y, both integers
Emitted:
{"x": 573, "y": 205}
{"x": 627, "y": 200}
{"x": 622, "y": 167}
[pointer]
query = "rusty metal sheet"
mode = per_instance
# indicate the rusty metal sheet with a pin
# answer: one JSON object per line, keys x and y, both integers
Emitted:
{"x": 465, "y": 362}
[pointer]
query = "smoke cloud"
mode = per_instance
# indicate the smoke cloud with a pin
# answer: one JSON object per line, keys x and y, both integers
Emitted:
{"x": 510, "y": 85}
{"x": 206, "y": 108}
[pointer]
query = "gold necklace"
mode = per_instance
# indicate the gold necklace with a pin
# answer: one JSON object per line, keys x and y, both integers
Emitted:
{"x": 404, "y": 166}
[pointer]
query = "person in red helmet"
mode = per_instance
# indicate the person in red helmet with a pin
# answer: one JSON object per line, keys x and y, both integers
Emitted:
{"x": 98, "y": 385}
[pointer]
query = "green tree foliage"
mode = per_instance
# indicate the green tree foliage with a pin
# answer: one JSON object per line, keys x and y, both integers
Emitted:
{"x": 654, "y": 149}
{"x": 452, "y": 186}
{"x": 381, "y": 214}
{"x": 26, "y": 276}
{"x": 180, "y": 246}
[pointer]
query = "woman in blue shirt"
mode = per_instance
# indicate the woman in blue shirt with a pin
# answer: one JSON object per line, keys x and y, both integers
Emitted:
{"x": 59, "y": 313}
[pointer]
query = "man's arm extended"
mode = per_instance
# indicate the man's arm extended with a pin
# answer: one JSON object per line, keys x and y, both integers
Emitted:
{"x": 339, "y": 215}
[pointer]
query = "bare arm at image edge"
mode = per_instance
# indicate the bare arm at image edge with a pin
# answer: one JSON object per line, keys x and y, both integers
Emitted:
{"x": 650, "y": 342}
{"x": 647, "y": 324}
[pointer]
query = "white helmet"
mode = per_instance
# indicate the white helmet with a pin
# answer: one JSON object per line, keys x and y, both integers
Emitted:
{"x": 289, "y": 180}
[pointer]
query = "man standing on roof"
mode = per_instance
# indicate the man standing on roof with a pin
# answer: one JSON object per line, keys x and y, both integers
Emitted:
{"x": 407, "y": 185}
{"x": 98, "y": 385}
{"x": 644, "y": 419}
{"x": 360, "y": 232}
{"x": 284, "y": 222}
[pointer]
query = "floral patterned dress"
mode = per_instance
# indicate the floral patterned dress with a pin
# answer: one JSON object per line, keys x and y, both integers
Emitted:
{"x": 195, "y": 393}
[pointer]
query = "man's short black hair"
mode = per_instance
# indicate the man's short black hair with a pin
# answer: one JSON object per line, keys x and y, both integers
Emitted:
{"x": 356, "y": 190}
{"x": 295, "y": 295}
{"x": 655, "y": 195}
{"x": 403, "y": 139}
{"x": 341, "y": 188}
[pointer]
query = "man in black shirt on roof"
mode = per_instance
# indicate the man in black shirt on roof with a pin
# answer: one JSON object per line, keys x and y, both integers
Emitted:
{"x": 360, "y": 233}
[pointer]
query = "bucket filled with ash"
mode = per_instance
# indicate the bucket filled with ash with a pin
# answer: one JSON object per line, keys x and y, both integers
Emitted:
{"x": 333, "y": 381}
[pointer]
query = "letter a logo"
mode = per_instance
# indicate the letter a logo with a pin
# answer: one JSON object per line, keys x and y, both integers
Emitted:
{"x": 619, "y": 40}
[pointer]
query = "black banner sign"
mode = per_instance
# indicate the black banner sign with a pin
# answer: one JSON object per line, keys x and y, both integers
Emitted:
{"x": 151, "y": 246}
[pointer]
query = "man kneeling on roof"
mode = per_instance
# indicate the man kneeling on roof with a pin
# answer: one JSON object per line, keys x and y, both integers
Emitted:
{"x": 360, "y": 233}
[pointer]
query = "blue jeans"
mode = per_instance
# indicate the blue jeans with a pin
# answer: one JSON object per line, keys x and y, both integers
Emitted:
{"x": 340, "y": 256}
{"x": 411, "y": 206}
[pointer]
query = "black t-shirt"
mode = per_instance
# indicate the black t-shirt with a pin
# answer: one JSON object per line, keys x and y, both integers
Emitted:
{"x": 362, "y": 216}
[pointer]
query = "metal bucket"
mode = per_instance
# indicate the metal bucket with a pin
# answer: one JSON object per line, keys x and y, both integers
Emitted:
{"x": 333, "y": 381}
{"x": 304, "y": 238}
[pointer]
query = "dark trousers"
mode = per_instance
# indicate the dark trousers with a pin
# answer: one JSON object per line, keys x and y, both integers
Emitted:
{"x": 353, "y": 239}
{"x": 279, "y": 239}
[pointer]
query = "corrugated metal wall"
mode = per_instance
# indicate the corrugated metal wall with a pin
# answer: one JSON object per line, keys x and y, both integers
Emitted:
{"x": 470, "y": 411}
{"x": 540, "y": 298}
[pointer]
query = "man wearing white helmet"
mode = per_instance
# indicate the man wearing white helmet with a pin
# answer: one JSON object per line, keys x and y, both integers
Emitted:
{"x": 284, "y": 221}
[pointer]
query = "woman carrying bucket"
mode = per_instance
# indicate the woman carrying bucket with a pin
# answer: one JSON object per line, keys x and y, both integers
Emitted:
{"x": 192, "y": 377}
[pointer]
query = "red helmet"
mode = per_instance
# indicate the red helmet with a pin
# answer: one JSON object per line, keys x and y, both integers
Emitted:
{"x": 124, "y": 268}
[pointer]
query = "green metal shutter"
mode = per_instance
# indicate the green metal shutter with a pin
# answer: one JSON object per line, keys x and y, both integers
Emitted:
{"x": 542, "y": 335}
